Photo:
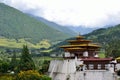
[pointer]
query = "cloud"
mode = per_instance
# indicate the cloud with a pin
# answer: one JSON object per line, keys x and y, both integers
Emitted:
{"x": 88, "y": 13}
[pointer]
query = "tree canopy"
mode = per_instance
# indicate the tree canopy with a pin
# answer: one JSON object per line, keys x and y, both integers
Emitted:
{"x": 26, "y": 62}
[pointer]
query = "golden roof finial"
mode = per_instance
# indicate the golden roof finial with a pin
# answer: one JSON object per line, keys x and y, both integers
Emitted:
{"x": 79, "y": 34}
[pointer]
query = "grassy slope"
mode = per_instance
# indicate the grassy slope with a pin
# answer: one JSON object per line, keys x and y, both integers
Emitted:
{"x": 12, "y": 43}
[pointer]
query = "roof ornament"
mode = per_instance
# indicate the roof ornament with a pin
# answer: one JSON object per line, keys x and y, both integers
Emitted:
{"x": 79, "y": 34}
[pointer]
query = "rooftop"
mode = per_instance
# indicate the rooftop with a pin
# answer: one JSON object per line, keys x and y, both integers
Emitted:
{"x": 97, "y": 59}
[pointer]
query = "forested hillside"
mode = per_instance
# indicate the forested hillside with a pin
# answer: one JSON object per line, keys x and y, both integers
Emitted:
{"x": 17, "y": 25}
{"x": 105, "y": 34}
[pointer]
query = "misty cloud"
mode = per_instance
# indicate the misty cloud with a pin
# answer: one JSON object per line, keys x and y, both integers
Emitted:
{"x": 88, "y": 13}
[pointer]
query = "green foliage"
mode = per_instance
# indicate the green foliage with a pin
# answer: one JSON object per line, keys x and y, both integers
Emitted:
{"x": 115, "y": 53}
{"x": 16, "y": 25}
{"x": 105, "y": 35}
{"x": 101, "y": 55}
{"x": 45, "y": 67}
{"x": 28, "y": 75}
{"x": 26, "y": 62}
{"x": 112, "y": 48}
{"x": 14, "y": 62}
{"x": 13, "y": 43}
{"x": 63, "y": 29}
{"x": 4, "y": 66}
{"x": 31, "y": 75}
{"x": 4, "y": 56}
{"x": 6, "y": 77}
{"x": 44, "y": 77}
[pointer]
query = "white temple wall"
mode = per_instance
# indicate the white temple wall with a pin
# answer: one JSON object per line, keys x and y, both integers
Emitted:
{"x": 63, "y": 69}
{"x": 94, "y": 75}
{"x": 87, "y": 75}
{"x": 62, "y": 66}
{"x": 118, "y": 66}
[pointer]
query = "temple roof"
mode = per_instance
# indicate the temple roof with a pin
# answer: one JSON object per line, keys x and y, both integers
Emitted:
{"x": 75, "y": 49}
{"x": 80, "y": 49}
{"x": 79, "y": 37}
{"x": 79, "y": 41}
{"x": 81, "y": 45}
{"x": 118, "y": 58}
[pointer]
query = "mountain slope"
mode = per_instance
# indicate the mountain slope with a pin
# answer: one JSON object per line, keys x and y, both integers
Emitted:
{"x": 67, "y": 29}
{"x": 105, "y": 35}
{"x": 15, "y": 24}
{"x": 63, "y": 29}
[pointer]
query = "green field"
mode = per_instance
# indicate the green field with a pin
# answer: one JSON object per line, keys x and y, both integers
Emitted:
{"x": 101, "y": 55}
{"x": 12, "y": 43}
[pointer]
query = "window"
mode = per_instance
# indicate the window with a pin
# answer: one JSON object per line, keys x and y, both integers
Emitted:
{"x": 91, "y": 66}
{"x": 106, "y": 66}
{"x": 99, "y": 66}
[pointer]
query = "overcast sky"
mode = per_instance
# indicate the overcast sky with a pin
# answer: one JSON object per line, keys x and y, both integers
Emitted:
{"x": 87, "y": 13}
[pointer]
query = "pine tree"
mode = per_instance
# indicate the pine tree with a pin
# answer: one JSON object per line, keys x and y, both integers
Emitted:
{"x": 13, "y": 63}
{"x": 26, "y": 62}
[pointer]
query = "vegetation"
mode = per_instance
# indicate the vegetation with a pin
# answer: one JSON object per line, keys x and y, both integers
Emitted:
{"x": 63, "y": 29}
{"x": 31, "y": 75}
{"x": 101, "y": 55}
{"x": 24, "y": 68}
{"x": 6, "y": 77}
{"x": 4, "y": 66}
{"x": 13, "y": 64}
{"x": 13, "y": 43}
{"x": 26, "y": 62}
{"x": 45, "y": 67}
{"x": 15, "y": 25}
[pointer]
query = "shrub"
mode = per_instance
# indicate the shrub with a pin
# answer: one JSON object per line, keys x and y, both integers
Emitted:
{"x": 31, "y": 75}
{"x": 6, "y": 77}
{"x": 45, "y": 67}
{"x": 4, "y": 67}
{"x": 45, "y": 78}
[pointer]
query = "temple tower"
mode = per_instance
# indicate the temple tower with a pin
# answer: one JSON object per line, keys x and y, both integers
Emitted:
{"x": 81, "y": 60}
